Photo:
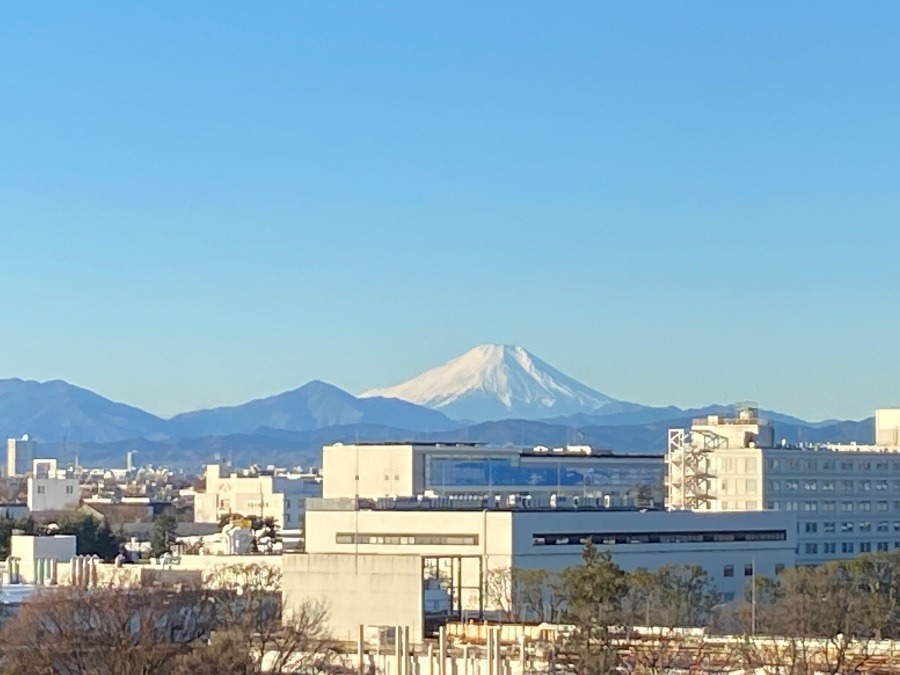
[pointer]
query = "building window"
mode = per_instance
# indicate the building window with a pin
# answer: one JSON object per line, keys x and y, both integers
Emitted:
{"x": 847, "y": 526}
{"x": 866, "y": 465}
{"x": 69, "y": 489}
{"x": 881, "y": 485}
{"x": 811, "y": 549}
{"x": 847, "y": 547}
{"x": 865, "y": 547}
{"x": 846, "y": 486}
{"x": 865, "y": 507}
{"x": 865, "y": 526}
{"x": 828, "y": 528}
{"x": 810, "y": 485}
{"x": 810, "y": 506}
{"x": 750, "y": 486}
{"x": 779, "y": 568}
{"x": 774, "y": 485}
{"x": 881, "y": 466}
{"x": 749, "y": 464}
{"x": 811, "y": 527}
{"x": 748, "y": 569}
{"x": 728, "y": 597}
{"x": 828, "y": 506}
{"x": 865, "y": 485}
{"x": 846, "y": 465}
{"x": 728, "y": 571}
{"x": 846, "y": 507}
{"x": 882, "y": 546}
{"x": 811, "y": 465}
{"x": 774, "y": 464}
{"x": 40, "y": 489}
{"x": 827, "y": 486}
{"x": 882, "y": 526}
{"x": 828, "y": 547}
{"x": 791, "y": 485}
{"x": 394, "y": 539}
{"x": 687, "y": 537}
{"x": 882, "y": 507}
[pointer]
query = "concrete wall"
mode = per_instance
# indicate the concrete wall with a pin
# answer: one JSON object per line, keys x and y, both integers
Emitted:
{"x": 383, "y": 471}
{"x": 53, "y": 494}
{"x": 887, "y": 426}
{"x": 374, "y": 590}
{"x": 27, "y": 548}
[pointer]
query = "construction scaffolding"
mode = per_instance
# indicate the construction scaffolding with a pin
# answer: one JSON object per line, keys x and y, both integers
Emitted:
{"x": 689, "y": 469}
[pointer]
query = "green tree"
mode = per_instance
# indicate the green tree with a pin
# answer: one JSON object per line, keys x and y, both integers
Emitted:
{"x": 593, "y": 593}
{"x": 163, "y": 534}
{"x": 7, "y": 525}
{"x": 93, "y": 536}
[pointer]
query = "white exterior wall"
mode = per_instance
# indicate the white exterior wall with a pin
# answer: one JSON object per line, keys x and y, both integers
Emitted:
{"x": 715, "y": 557}
{"x": 371, "y": 471}
{"x": 506, "y": 538}
{"x": 373, "y": 590}
{"x": 280, "y": 497}
{"x": 846, "y": 498}
{"x": 53, "y": 494}
{"x": 887, "y": 426}
{"x": 28, "y": 548}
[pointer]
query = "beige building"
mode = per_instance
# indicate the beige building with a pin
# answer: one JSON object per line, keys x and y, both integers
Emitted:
{"x": 256, "y": 494}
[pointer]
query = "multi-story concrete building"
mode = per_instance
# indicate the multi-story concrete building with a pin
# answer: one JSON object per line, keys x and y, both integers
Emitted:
{"x": 19, "y": 454}
{"x": 373, "y": 470}
{"x": 263, "y": 494}
{"x": 846, "y": 498}
{"x": 49, "y": 489}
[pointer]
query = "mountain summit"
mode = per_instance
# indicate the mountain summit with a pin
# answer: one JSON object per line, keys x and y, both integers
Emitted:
{"x": 494, "y": 381}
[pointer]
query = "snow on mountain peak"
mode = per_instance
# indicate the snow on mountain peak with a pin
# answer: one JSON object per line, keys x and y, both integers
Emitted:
{"x": 493, "y": 381}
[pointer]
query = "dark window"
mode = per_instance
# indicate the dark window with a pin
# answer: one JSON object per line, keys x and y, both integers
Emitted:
{"x": 729, "y": 571}
{"x": 394, "y": 539}
{"x": 618, "y": 538}
{"x": 748, "y": 570}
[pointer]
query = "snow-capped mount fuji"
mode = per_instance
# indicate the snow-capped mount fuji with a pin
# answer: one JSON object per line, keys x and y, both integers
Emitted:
{"x": 491, "y": 382}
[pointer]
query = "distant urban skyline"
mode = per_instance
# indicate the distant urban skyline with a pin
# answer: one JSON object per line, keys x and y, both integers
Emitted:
{"x": 673, "y": 203}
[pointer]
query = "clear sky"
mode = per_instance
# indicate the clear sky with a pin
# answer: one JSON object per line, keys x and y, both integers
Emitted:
{"x": 674, "y": 202}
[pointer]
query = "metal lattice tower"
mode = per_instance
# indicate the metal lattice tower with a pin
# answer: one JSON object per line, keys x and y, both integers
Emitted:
{"x": 689, "y": 469}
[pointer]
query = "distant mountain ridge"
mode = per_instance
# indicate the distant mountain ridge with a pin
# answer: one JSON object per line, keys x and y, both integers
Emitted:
{"x": 55, "y": 411}
{"x": 508, "y": 395}
{"x": 313, "y": 406}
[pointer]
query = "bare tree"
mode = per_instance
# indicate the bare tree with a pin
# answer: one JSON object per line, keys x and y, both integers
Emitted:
{"x": 104, "y": 631}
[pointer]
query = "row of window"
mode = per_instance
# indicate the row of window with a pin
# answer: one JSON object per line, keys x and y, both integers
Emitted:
{"x": 813, "y": 485}
{"x": 618, "y": 538}
{"x": 851, "y": 526}
{"x": 806, "y": 465}
{"x": 862, "y": 506}
{"x": 813, "y": 548}
{"x": 407, "y": 539}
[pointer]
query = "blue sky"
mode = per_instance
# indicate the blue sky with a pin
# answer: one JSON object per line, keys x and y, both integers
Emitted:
{"x": 673, "y": 202}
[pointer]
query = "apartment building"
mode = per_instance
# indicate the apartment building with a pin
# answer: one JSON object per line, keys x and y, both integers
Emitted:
{"x": 846, "y": 497}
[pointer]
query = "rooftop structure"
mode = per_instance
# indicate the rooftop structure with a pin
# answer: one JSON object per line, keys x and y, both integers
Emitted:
{"x": 375, "y": 470}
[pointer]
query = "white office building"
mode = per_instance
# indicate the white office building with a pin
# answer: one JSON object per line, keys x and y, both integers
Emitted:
{"x": 373, "y": 470}
{"x": 277, "y": 494}
{"x": 846, "y": 498}
{"x": 19, "y": 454}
